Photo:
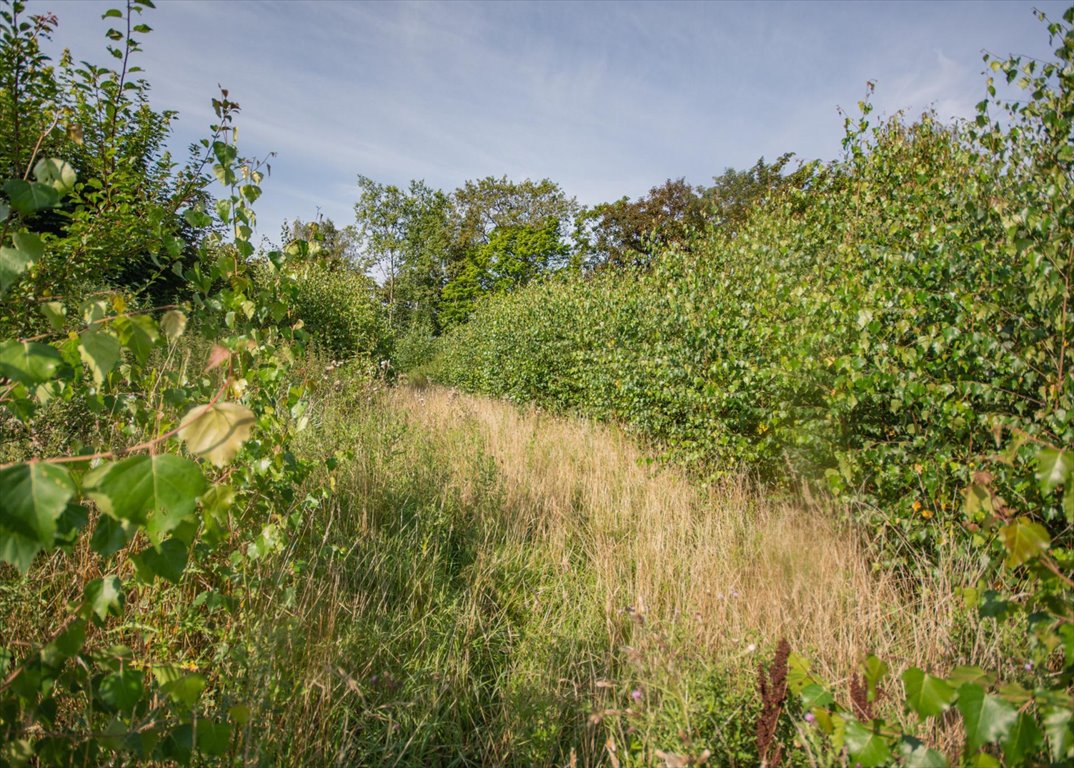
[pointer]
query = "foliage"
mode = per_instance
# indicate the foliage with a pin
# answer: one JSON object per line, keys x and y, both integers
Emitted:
{"x": 405, "y": 235}
{"x": 336, "y": 304}
{"x": 120, "y": 224}
{"x": 180, "y": 454}
{"x": 896, "y": 323}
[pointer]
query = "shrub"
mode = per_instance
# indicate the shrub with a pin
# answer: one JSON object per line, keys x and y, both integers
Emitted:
{"x": 339, "y": 310}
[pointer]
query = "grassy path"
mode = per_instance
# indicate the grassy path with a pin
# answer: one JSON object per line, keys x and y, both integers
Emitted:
{"x": 492, "y": 585}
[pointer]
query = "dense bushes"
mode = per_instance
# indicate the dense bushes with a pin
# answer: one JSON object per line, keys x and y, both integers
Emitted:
{"x": 339, "y": 309}
{"x": 898, "y": 325}
{"x": 877, "y": 325}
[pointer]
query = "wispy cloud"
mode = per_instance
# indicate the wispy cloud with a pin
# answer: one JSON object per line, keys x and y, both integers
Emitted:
{"x": 607, "y": 99}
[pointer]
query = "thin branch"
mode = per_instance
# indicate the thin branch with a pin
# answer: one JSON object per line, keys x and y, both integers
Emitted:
{"x": 147, "y": 445}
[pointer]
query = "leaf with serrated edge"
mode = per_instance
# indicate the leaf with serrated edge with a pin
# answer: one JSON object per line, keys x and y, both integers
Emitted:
{"x": 29, "y": 197}
{"x": 173, "y": 324}
{"x": 216, "y": 432}
{"x": 928, "y": 696}
{"x": 57, "y": 173}
{"x": 103, "y": 597}
{"x": 866, "y": 748}
{"x": 1024, "y": 739}
{"x": 26, "y": 249}
{"x": 32, "y": 499}
{"x": 986, "y": 717}
{"x": 1053, "y": 468}
{"x": 99, "y": 349}
{"x": 159, "y": 492}
{"x": 138, "y": 334}
{"x": 1024, "y": 540}
{"x": 28, "y": 362}
{"x": 55, "y": 313}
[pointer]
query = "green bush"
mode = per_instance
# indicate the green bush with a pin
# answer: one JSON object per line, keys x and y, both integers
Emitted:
{"x": 339, "y": 310}
{"x": 873, "y": 328}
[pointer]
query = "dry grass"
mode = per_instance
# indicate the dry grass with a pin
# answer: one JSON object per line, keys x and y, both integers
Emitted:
{"x": 725, "y": 571}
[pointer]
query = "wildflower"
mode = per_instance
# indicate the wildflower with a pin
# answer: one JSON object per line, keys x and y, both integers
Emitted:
{"x": 1029, "y": 666}
{"x": 918, "y": 468}
{"x": 809, "y": 717}
{"x": 916, "y": 506}
{"x": 636, "y": 694}
{"x": 927, "y": 514}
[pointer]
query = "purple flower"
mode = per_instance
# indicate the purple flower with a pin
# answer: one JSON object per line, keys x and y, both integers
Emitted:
{"x": 809, "y": 717}
{"x": 636, "y": 694}
{"x": 1029, "y": 666}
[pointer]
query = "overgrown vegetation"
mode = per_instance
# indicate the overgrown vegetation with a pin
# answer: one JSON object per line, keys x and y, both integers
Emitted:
{"x": 230, "y": 536}
{"x": 898, "y": 324}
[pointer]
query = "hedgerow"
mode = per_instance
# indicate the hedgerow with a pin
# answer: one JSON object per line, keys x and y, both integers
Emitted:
{"x": 898, "y": 328}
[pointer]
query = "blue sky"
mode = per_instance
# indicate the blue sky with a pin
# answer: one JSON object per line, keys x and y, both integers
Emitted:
{"x": 607, "y": 99}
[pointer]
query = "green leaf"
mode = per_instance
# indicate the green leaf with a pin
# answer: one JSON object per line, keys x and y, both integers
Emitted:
{"x": 814, "y": 695}
{"x": 926, "y": 695}
{"x": 122, "y": 690}
{"x": 978, "y": 503}
{"x": 217, "y": 431}
{"x": 1024, "y": 541}
{"x": 67, "y": 644}
{"x": 28, "y": 197}
{"x": 112, "y": 13}
{"x": 1053, "y": 468}
{"x": 1068, "y": 503}
{"x": 56, "y": 314}
{"x": 26, "y": 249}
{"x": 215, "y": 504}
{"x": 28, "y": 362}
{"x": 99, "y": 349}
{"x": 212, "y": 738}
{"x": 987, "y": 718}
{"x": 110, "y": 535}
{"x": 224, "y": 152}
{"x": 173, "y": 324}
{"x": 32, "y": 499}
{"x": 5, "y": 211}
{"x": 875, "y": 670}
{"x": 1058, "y": 719}
{"x": 961, "y": 675}
{"x": 182, "y": 688}
{"x": 917, "y": 755}
{"x": 17, "y": 549}
{"x": 103, "y": 598}
{"x": 866, "y": 748}
{"x": 167, "y": 561}
{"x": 159, "y": 492}
{"x": 55, "y": 173}
{"x": 94, "y": 310}
{"x": 1024, "y": 739}
{"x": 138, "y": 334}
{"x": 197, "y": 218}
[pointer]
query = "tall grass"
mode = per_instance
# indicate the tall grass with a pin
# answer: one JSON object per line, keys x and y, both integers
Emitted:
{"x": 490, "y": 585}
{"x": 496, "y": 586}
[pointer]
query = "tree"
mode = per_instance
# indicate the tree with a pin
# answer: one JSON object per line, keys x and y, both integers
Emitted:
{"x": 514, "y": 255}
{"x": 505, "y": 234}
{"x": 405, "y": 236}
{"x": 337, "y": 247}
{"x": 629, "y": 233}
{"x": 734, "y": 194}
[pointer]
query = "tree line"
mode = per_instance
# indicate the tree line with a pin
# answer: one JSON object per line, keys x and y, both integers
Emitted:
{"x": 434, "y": 254}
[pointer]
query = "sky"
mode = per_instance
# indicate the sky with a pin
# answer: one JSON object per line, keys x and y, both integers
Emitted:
{"x": 605, "y": 98}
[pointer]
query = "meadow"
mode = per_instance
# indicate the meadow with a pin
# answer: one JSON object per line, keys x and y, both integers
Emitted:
{"x": 786, "y": 482}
